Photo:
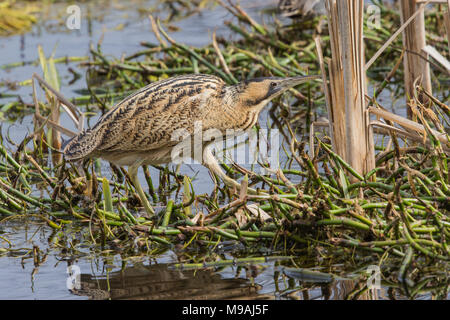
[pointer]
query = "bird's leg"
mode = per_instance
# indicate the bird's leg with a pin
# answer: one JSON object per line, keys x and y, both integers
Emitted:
{"x": 132, "y": 170}
{"x": 211, "y": 162}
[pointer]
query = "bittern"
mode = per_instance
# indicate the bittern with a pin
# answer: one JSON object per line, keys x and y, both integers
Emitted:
{"x": 139, "y": 130}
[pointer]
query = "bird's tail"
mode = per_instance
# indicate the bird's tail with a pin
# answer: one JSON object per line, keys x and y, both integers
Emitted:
{"x": 80, "y": 146}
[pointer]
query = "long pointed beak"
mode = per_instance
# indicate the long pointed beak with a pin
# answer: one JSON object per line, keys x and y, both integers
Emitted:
{"x": 294, "y": 81}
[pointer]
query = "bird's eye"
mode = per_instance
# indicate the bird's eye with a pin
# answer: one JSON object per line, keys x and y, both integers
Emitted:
{"x": 273, "y": 84}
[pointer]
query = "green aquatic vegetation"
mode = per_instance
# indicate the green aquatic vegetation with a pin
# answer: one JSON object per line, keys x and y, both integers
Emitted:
{"x": 399, "y": 212}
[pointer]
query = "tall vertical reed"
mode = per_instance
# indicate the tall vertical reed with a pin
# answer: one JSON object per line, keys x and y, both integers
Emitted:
{"x": 414, "y": 41}
{"x": 351, "y": 132}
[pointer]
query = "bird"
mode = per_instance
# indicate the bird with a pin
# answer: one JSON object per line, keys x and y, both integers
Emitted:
{"x": 139, "y": 130}
{"x": 302, "y": 9}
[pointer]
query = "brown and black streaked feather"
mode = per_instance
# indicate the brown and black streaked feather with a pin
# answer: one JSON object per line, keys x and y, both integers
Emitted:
{"x": 146, "y": 119}
{"x": 141, "y": 128}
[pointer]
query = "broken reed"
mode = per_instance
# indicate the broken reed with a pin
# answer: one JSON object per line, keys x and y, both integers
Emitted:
{"x": 414, "y": 39}
{"x": 352, "y": 137}
{"x": 315, "y": 200}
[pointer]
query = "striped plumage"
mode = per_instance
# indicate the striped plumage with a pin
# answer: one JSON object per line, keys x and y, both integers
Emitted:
{"x": 147, "y": 119}
{"x": 140, "y": 129}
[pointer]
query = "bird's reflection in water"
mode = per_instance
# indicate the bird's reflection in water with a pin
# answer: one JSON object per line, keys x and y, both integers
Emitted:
{"x": 160, "y": 282}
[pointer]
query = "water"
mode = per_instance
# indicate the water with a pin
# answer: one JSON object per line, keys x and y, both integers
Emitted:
{"x": 45, "y": 275}
{"x": 106, "y": 273}
{"x": 195, "y": 30}
{"x": 23, "y": 278}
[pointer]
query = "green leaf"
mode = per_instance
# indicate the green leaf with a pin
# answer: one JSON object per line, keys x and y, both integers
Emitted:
{"x": 344, "y": 183}
{"x": 107, "y": 196}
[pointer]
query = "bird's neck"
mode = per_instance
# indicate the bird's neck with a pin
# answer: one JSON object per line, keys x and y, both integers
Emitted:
{"x": 231, "y": 96}
{"x": 237, "y": 97}
{"x": 235, "y": 114}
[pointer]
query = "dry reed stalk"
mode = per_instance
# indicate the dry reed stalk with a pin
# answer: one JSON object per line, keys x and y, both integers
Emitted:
{"x": 446, "y": 16}
{"x": 75, "y": 115}
{"x": 351, "y": 130}
{"x": 447, "y": 23}
{"x": 407, "y": 124}
{"x": 327, "y": 100}
{"x": 414, "y": 41}
{"x": 396, "y": 33}
{"x": 55, "y": 116}
{"x": 385, "y": 129}
{"x": 337, "y": 99}
{"x": 37, "y": 114}
{"x": 325, "y": 84}
{"x": 40, "y": 119}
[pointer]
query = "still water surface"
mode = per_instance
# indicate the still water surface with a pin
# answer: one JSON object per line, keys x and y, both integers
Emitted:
{"x": 105, "y": 273}
{"x": 121, "y": 25}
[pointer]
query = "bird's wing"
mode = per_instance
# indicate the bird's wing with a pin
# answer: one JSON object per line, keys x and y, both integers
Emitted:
{"x": 150, "y": 118}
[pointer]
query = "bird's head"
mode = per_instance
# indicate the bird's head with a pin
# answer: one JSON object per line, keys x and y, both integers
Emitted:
{"x": 256, "y": 93}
